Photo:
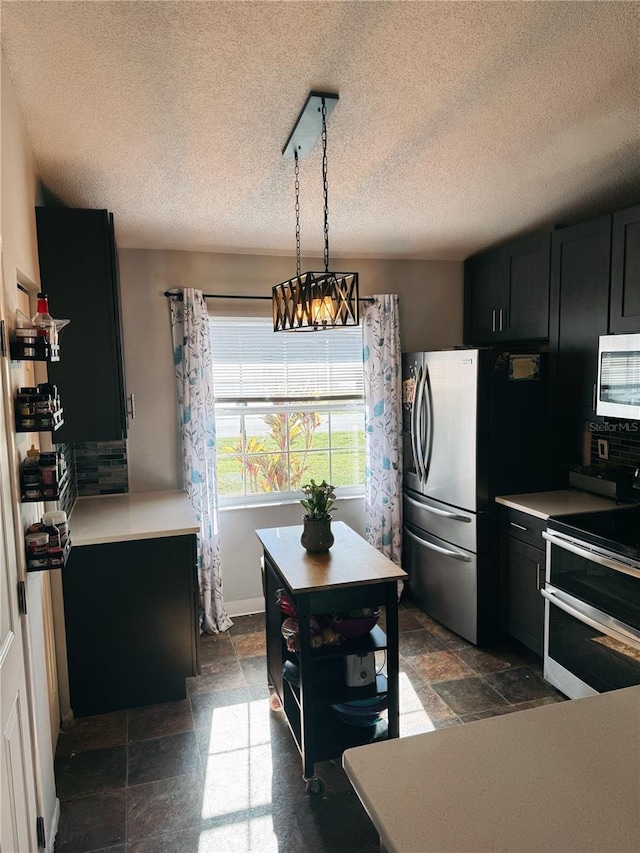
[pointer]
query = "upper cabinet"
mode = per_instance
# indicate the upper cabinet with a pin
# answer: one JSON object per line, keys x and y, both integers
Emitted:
{"x": 506, "y": 293}
{"x": 579, "y": 310}
{"x": 79, "y": 272}
{"x": 624, "y": 315}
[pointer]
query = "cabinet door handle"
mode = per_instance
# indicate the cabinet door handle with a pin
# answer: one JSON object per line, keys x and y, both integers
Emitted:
{"x": 539, "y": 580}
{"x": 493, "y": 320}
{"x": 500, "y": 321}
{"x": 518, "y": 526}
{"x": 131, "y": 406}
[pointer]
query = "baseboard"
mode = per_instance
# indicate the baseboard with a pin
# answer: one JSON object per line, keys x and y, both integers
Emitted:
{"x": 53, "y": 827}
{"x": 245, "y": 607}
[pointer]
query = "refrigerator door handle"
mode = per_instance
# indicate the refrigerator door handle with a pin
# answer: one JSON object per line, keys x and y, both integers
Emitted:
{"x": 452, "y": 515}
{"x": 427, "y": 400}
{"x": 457, "y": 555}
{"x": 416, "y": 437}
{"x": 414, "y": 425}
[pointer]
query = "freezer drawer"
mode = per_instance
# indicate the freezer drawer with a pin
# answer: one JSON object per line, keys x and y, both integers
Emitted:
{"x": 443, "y": 580}
{"x": 457, "y": 526}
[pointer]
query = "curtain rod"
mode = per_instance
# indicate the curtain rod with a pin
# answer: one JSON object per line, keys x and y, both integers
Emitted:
{"x": 171, "y": 295}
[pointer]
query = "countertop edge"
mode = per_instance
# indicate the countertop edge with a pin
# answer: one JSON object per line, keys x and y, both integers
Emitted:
{"x": 521, "y": 508}
{"x": 132, "y": 537}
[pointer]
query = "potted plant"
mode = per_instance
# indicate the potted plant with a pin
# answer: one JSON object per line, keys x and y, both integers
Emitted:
{"x": 319, "y": 498}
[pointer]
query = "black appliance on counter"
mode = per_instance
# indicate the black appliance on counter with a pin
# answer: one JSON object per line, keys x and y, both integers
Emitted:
{"x": 475, "y": 426}
{"x": 592, "y": 601}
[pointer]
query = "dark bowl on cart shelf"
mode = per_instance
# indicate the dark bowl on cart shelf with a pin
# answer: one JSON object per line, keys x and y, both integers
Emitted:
{"x": 350, "y": 627}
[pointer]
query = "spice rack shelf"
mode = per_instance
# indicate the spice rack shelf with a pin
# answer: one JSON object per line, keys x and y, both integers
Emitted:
{"x": 42, "y": 423}
{"x": 43, "y": 352}
{"x": 62, "y": 482}
{"x": 55, "y": 564}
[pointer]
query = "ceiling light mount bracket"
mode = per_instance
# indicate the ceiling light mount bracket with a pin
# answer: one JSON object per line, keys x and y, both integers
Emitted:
{"x": 308, "y": 126}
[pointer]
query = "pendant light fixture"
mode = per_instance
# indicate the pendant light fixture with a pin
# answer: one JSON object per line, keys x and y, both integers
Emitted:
{"x": 312, "y": 301}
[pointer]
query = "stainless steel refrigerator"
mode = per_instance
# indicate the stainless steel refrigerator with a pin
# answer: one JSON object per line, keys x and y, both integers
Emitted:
{"x": 475, "y": 425}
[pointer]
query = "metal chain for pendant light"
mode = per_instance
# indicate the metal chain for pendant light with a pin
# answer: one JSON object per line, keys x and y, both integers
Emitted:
{"x": 326, "y": 186}
{"x": 297, "y": 173}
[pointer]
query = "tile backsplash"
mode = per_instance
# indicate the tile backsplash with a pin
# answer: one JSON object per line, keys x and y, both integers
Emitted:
{"x": 623, "y": 439}
{"x": 101, "y": 468}
{"x": 69, "y": 487}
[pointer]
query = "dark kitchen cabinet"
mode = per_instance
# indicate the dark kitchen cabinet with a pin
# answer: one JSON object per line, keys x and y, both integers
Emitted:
{"x": 507, "y": 293}
{"x": 579, "y": 314}
{"x": 625, "y": 271}
{"x": 483, "y": 287}
{"x": 522, "y": 577}
{"x": 79, "y": 272}
{"x": 131, "y": 623}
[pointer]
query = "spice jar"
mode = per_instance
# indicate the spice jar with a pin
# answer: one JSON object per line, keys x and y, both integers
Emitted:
{"x": 25, "y": 402}
{"x": 52, "y": 531}
{"x": 57, "y": 520}
{"x": 37, "y": 550}
{"x": 49, "y": 474}
{"x": 30, "y": 475}
{"x": 26, "y": 343}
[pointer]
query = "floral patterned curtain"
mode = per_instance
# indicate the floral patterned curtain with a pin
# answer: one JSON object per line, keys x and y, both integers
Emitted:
{"x": 383, "y": 425}
{"x": 194, "y": 379}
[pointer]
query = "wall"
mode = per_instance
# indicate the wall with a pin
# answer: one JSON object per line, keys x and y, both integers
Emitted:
{"x": 431, "y": 296}
{"x": 20, "y": 264}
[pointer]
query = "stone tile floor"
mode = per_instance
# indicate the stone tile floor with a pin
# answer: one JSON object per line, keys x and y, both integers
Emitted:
{"x": 218, "y": 772}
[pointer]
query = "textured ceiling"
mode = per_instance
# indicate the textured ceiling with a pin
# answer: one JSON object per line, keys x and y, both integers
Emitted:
{"x": 459, "y": 125}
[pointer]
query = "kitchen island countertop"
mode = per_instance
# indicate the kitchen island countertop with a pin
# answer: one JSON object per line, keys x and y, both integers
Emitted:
{"x": 121, "y": 518}
{"x": 562, "y": 502}
{"x": 561, "y": 777}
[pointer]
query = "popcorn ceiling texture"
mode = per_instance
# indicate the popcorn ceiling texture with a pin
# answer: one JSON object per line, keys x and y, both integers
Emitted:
{"x": 459, "y": 125}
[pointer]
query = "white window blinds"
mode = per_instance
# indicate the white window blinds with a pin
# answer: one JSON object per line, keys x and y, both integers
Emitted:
{"x": 253, "y": 363}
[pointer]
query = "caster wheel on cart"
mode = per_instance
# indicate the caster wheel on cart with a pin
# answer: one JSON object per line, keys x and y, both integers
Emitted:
{"x": 315, "y": 786}
{"x": 274, "y": 702}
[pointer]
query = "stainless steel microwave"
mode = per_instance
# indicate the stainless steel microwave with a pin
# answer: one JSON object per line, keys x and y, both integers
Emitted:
{"x": 619, "y": 376}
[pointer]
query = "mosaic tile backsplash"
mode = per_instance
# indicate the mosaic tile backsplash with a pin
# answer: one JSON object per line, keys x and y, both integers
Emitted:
{"x": 69, "y": 488}
{"x": 101, "y": 468}
{"x": 624, "y": 442}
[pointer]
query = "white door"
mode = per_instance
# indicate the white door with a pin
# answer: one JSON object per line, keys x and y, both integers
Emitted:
{"x": 18, "y": 803}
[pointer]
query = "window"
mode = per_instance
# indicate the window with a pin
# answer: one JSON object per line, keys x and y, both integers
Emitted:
{"x": 289, "y": 408}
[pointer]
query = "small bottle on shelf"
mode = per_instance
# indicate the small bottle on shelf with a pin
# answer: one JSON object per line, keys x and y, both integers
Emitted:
{"x": 44, "y": 322}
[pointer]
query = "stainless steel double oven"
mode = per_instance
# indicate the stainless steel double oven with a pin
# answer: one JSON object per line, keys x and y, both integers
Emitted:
{"x": 592, "y": 602}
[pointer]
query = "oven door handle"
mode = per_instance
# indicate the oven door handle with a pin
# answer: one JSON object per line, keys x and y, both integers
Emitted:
{"x": 592, "y": 556}
{"x": 623, "y": 635}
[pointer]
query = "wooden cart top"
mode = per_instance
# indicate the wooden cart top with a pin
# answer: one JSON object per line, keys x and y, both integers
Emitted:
{"x": 351, "y": 561}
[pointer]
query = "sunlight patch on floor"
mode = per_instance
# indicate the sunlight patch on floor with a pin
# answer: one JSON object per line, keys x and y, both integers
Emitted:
{"x": 414, "y": 719}
{"x": 251, "y": 836}
{"x": 238, "y": 766}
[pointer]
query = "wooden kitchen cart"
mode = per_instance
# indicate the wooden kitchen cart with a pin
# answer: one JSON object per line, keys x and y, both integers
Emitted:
{"x": 352, "y": 575}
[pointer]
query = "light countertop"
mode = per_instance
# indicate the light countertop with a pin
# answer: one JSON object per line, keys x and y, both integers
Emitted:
{"x": 120, "y": 518}
{"x": 544, "y": 504}
{"x": 561, "y": 777}
{"x": 352, "y": 561}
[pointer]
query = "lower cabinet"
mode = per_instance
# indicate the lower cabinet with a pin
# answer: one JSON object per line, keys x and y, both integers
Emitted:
{"x": 522, "y": 573}
{"x": 131, "y": 622}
